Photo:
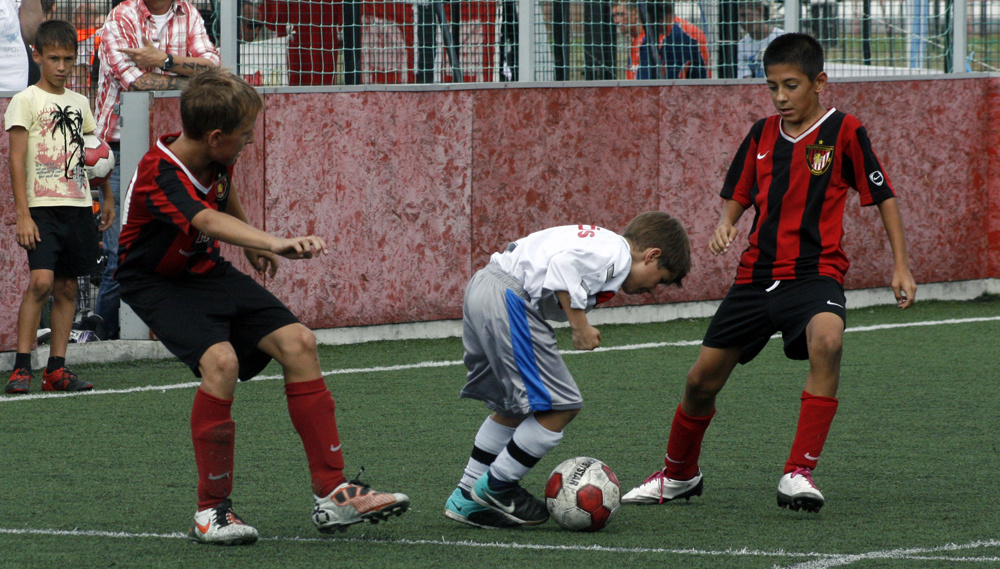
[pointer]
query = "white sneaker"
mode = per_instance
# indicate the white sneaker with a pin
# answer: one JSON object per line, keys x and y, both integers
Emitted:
{"x": 221, "y": 526}
{"x": 349, "y": 504}
{"x": 658, "y": 489}
{"x": 796, "y": 490}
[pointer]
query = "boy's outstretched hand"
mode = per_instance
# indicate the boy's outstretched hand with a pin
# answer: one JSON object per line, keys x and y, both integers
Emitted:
{"x": 723, "y": 237}
{"x": 262, "y": 261}
{"x": 300, "y": 247}
{"x": 586, "y": 337}
{"x": 904, "y": 287}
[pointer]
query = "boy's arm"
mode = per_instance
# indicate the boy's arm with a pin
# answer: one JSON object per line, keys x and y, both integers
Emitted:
{"x": 31, "y": 16}
{"x": 226, "y": 228}
{"x": 261, "y": 260}
{"x": 108, "y": 209}
{"x": 27, "y": 231}
{"x": 585, "y": 336}
{"x": 903, "y": 285}
{"x": 726, "y": 232}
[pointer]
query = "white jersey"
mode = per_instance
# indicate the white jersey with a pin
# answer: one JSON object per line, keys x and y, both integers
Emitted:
{"x": 13, "y": 54}
{"x": 750, "y": 54}
{"x": 587, "y": 261}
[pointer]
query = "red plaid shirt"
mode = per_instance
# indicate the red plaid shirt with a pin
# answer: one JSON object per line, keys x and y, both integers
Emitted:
{"x": 184, "y": 34}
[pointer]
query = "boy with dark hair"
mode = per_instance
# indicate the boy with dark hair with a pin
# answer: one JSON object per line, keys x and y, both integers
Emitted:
{"x": 55, "y": 224}
{"x": 220, "y": 322}
{"x": 795, "y": 169}
{"x": 510, "y": 349}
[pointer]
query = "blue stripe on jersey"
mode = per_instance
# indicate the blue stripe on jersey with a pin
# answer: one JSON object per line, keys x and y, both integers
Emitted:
{"x": 524, "y": 354}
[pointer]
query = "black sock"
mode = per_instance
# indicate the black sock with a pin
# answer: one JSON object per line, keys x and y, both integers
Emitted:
{"x": 22, "y": 361}
{"x": 55, "y": 363}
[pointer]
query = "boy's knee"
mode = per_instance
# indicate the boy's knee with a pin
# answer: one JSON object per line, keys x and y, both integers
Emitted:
{"x": 39, "y": 287}
{"x": 701, "y": 384}
{"x": 826, "y": 343}
{"x": 219, "y": 362}
{"x": 298, "y": 340}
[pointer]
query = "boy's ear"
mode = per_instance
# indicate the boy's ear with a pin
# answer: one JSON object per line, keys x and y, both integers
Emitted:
{"x": 652, "y": 254}
{"x": 820, "y": 81}
{"x": 212, "y": 137}
{"x": 36, "y": 56}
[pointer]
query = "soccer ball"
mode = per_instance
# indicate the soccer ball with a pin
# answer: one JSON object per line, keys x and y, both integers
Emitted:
{"x": 99, "y": 161}
{"x": 582, "y": 494}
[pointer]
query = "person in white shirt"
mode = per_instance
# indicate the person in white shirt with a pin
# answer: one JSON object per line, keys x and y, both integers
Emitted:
{"x": 19, "y": 20}
{"x": 513, "y": 363}
{"x": 755, "y": 21}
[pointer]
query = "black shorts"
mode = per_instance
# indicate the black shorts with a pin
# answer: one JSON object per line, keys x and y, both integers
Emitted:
{"x": 751, "y": 313}
{"x": 69, "y": 245}
{"x": 191, "y": 314}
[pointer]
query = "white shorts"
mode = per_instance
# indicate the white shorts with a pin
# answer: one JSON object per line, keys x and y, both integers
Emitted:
{"x": 510, "y": 350}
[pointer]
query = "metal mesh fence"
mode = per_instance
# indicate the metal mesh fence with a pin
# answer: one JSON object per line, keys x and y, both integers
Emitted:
{"x": 349, "y": 42}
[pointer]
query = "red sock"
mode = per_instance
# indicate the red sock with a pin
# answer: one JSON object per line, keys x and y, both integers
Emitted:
{"x": 684, "y": 444}
{"x": 311, "y": 408}
{"x": 213, "y": 433}
{"x": 815, "y": 417}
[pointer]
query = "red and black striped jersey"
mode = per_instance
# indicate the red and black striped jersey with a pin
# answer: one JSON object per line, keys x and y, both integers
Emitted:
{"x": 798, "y": 188}
{"x": 163, "y": 197}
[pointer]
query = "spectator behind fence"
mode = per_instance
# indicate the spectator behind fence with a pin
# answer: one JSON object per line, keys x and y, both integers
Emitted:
{"x": 45, "y": 126}
{"x": 87, "y": 19}
{"x": 18, "y": 23}
{"x": 683, "y": 47}
{"x": 626, "y": 16}
{"x": 599, "y": 40}
{"x": 311, "y": 28}
{"x": 146, "y": 45}
{"x": 754, "y": 19}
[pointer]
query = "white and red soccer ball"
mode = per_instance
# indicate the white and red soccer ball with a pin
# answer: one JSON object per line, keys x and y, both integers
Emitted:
{"x": 99, "y": 161}
{"x": 583, "y": 494}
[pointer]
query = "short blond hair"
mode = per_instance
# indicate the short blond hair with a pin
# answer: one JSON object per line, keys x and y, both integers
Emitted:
{"x": 217, "y": 99}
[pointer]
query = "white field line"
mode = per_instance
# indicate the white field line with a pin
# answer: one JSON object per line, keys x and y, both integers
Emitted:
{"x": 819, "y": 561}
{"x": 916, "y": 554}
{"x": 420, "y": 365}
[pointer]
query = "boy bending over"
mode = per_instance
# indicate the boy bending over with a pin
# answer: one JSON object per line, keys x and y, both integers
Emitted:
{"x": 511, "y": 354}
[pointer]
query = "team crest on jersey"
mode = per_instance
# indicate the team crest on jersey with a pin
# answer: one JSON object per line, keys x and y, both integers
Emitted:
{"x": 221, "y": 187}
{"x": 819, "y": 158}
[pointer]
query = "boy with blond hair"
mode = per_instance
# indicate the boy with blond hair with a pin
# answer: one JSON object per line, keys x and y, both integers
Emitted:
{"x": 220, "y": 322}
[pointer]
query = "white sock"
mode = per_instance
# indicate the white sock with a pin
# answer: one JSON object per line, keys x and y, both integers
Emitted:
{"x": 491, "y": 439}
{"x": 531, "y": 441}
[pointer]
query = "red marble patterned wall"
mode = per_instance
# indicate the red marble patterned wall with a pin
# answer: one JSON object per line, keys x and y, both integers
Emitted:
{"x": 414, "y": 190}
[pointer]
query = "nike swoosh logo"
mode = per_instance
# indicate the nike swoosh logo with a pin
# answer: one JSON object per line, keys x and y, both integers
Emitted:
{"x": 832, "y": 303}
{"x": 219, "y": 477}
{"x": 673, "y": 461}
{"x": 203, "y": 528}
{"x": 506, "y": 508}
{"x": 811, "y": 457}
{"x": 761, "y": 156}
{"x": 336, "y": 448}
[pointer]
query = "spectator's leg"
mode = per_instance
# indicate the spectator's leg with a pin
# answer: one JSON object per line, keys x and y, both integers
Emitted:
{"x": 425, "y": 43}
{"x": 560, "y": 39}
{"x": 108, "y": 296}
{"x": 352, "y": 42}
{"x": 598, "y": 40}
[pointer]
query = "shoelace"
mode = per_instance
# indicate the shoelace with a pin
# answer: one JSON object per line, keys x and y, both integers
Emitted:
{"x": 659, "y": 475}
{"x": 357, "y": 479}
{"x": 805, "y": 473}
